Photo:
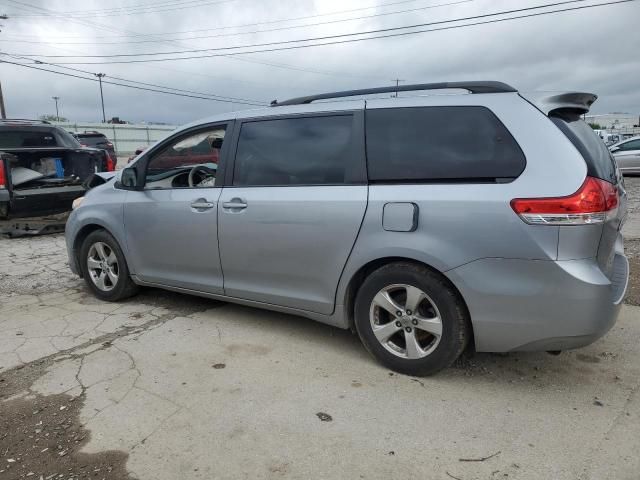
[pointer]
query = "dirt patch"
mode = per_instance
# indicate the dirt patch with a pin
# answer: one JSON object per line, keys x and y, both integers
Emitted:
{"x": 632, "y": 249}
{"x": 41, "y": 438}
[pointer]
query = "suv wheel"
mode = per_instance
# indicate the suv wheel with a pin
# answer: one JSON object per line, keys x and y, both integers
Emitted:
{"x": 104, "y": 267}
{"x": 410, "y": 319}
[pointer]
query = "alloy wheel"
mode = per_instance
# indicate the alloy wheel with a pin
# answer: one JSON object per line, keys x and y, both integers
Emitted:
{"x": 406, "y": 321}
{"x": 103, "y": 267}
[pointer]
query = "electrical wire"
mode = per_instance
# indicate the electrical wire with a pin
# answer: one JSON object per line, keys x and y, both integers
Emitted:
{"x": 328, "y": 22}
{"x": 133, "y": 11}
{"x": 201, "y": 97}
{"x": 222, "y": 97}
{"x": 328, "y": 37}
{"x": 230, "y": 57}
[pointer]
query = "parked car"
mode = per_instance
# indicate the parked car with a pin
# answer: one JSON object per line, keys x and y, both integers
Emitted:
{"x": 627, "y": 155}
{"x": 42, "y": 168}
{"x": 97, "y": 140}
{"x": 424, "y": 223}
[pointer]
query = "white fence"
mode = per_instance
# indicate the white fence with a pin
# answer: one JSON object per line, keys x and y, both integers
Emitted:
{"x": 126, "y": 137}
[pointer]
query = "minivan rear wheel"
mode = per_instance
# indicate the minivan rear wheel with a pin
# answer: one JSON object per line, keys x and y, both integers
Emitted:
{"x": 104, "y": 267}
{"x": 411, "y": 319}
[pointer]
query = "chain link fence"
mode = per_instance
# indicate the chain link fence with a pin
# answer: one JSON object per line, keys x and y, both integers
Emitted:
{"x": 125, "y": 137}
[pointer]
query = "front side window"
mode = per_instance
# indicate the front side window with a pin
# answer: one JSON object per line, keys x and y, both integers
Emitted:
{"x": 294, "y": 151}
{"x": 440, "y": 144}
{"x": 190, "y": 161}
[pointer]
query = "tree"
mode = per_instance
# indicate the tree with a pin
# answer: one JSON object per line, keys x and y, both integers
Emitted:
{"x": 52, "y": 118}
{"x": 595, "y": 126}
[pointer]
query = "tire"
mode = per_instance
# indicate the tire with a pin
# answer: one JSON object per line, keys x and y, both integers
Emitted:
{"x": 417, "y": 343}
{"x": 104, "y": 267}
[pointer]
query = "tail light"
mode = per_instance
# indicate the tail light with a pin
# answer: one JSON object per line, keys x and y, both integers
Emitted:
{"x": 594, "y": 202}
{"x": 3, "y": 175}
{"x": 110, "y": 165}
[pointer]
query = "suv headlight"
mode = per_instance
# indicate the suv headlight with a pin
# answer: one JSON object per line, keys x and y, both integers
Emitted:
{"x": 76, "y": 203}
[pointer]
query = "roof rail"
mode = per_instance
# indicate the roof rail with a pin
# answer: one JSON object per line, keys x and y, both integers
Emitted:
{"x": 472, "y": 87}
{"x": 26, "y": 121}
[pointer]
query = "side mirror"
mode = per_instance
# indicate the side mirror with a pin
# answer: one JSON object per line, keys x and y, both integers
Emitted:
{"x": 129, "y": 179}
{"x": 615, "y": 149}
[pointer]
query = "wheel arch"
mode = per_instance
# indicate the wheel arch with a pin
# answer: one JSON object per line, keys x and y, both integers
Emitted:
{"x": 87, "y": 230}
{"x": 357, "y": 279}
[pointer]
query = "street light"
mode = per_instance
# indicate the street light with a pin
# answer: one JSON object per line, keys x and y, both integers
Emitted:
{"x": 57, "y": 114}
{"x": 100, "y": 75}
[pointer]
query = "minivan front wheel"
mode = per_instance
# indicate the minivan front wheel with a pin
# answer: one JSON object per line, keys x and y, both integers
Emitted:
{"x": 104, "y": 267}
{"x": 410, "y": 319}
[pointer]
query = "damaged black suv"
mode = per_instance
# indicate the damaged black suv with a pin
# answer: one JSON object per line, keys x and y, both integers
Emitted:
{"x": 43, "y": 168}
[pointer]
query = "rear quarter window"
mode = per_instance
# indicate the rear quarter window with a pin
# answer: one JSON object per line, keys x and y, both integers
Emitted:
{"x": 426, "y": 144}
{"x": 600, "y": 163}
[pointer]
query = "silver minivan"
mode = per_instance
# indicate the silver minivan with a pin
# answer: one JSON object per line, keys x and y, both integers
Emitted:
{"x": 425, "y": 223}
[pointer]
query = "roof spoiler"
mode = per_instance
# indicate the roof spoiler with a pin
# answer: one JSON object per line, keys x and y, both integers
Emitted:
{"x": 547, "y": 104}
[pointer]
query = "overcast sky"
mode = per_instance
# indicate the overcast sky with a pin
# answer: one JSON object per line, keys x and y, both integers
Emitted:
{"x": 594, "y": 50}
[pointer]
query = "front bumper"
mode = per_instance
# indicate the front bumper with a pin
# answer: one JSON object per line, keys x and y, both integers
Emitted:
{"x": 70, "y": 233}
{"x": 533, "y": 305}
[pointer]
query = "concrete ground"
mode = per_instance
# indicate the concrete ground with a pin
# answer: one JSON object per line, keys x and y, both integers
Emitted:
{"x": 167, "y": 386}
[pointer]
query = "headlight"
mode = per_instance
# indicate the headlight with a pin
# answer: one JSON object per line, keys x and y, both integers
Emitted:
{"x": 77, "y": 202}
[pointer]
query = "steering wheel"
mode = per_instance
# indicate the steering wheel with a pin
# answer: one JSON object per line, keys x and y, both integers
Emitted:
{"x": 206, "y": 170}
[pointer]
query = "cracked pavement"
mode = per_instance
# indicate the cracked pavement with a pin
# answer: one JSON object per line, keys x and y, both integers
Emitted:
{"x": 186, "y": 387}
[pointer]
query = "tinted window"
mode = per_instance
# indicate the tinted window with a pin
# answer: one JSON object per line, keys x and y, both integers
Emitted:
{"x": 599, "y": 161}
{"x": 440, "y": 143}
{"x": 26, "y": 138}
{"x": 67, "y": 139}
{"x": 294, "y": 151}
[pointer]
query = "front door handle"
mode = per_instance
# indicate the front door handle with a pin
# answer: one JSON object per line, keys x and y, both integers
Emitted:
{"x": 235, "y": 204}
{"x": 202, "y": 204}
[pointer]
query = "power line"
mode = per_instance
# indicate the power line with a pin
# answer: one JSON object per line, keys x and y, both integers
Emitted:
{"x": 266, "y": 22}
{"x": 328, "y": 22}
{"x": 162, "y": 40}
{"x": 132, "y": 86}
{"x": 221, "y": 97}
{"x": 328, "y": 37}
{"x": 132, "y": 11}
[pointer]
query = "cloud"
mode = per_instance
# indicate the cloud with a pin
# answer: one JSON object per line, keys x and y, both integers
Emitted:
{"x": 590, "y": 50}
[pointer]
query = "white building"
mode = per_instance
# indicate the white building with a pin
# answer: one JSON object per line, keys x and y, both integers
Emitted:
{"x": 614, "y": 121}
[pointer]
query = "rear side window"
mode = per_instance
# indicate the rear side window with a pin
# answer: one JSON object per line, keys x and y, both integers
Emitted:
{"x": 440, "y": 144}
{"x": 25, "y": 139}
{"x": 599, "y": 161}
{"x": 295, "y": 151}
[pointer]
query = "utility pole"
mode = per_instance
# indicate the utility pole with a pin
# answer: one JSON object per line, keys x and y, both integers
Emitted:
{"x": 57, "y": 114}
{"x": 3, "y": 113}
{"x": 397, "y": 80}
{"x": 100, "y": 75}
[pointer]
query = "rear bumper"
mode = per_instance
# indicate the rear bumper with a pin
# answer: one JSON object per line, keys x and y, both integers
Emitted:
{"x": 530, "y": 305}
